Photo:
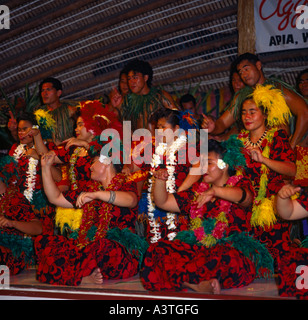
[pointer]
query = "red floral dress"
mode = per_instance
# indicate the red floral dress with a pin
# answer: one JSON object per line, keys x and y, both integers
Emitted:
{"x": 81, "y": 168}
{"x": 168, "y": 264}
{"x": 181, "y": 221}
{"x": 16, "y": 248}
{"x": 289, "y": 282}
{"x": 66, "y": 260}
{"x": 276, "y": 237}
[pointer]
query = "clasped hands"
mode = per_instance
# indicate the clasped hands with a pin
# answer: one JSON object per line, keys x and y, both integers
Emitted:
{"x": 202, "y": 199}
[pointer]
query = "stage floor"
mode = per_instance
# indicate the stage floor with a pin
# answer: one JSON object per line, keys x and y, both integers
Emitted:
{"x": 25, "y": 286}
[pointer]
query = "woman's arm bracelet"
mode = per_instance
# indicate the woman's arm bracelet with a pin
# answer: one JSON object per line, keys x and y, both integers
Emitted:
{"x": 243, "y": 196}
{"x": 112, "y": 197}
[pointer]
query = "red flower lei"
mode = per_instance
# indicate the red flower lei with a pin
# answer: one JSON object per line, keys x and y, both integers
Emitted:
{"x": 101, "y": 217}
{"x": 200, "y": 226}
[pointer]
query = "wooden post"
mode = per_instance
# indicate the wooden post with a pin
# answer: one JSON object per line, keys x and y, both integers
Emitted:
{"x": 246, "y": 27}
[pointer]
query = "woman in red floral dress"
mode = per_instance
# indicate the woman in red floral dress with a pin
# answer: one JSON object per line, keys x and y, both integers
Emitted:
{"x": 217, "y": 251}
{"x": 24, "y": 208}
{"x": 293, "y": 271}
{"x": 178, "y": 158}
{"x": 101, "y": 243}
{"x": 92, "y": 119}
{"x": 270, "y": 160}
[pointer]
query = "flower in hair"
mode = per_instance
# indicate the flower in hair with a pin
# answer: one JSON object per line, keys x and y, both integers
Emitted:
{"x": 104, "y": 159}
{"x": 221, "y": 164}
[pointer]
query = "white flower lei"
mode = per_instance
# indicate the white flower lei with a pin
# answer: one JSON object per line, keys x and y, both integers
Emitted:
{"x": 31, "y": 172}
{"x": 170, "y": 185}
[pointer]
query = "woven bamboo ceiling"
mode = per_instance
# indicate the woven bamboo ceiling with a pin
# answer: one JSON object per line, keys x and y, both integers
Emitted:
{"x": 86, "y": 43}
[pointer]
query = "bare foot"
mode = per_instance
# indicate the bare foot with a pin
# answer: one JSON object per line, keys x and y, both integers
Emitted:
{"x": 210, "y": 286}
{"x": 95, "y": 277}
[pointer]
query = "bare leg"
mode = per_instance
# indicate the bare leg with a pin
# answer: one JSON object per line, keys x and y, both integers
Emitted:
{"x": 95, "y": 277}
{"x": 210, "y": 286}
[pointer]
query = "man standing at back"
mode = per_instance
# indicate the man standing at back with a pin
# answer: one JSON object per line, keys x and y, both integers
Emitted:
{"x": 62, "y": 112}
{"x": 250, "y": 70}
{"x": 144, "y": 99}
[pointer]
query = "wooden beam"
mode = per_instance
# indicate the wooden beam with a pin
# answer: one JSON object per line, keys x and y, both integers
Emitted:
{"x": 282, "y": 55}
{"x": 122, "y": 45}
{"x": 226, "y": 67}
{"x": 155, "y": 62}
{"x": 82, "y": 32}
{"x": 187, "y": 75}
{"x": 246, "y": 27}
{"x": 12, "y": 4}
{"x": 200, "y": 73}
{"x": 49, "y": 15}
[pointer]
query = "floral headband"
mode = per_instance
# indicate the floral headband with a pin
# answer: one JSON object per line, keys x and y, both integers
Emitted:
{"x": 97, "y": 117}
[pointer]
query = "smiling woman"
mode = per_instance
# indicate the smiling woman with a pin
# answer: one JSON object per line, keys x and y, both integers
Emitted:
{"x": 24, "y": 210}
{"x": 103, "y": 243}
{"x": 270, "y": 159}
{"x": 79, "y": 151}
{"x": 209, "y": 255}
{"x": 253, "y": 118}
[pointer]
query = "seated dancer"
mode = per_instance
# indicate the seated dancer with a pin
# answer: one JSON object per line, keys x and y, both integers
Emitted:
{"x": 270, "y": 160}
{"x": 249, "y": 67}
{"x": 174, "y": 154}
{"x": 24, "y": 210}
{"x": 217, "y": 252}
{"x": 78, "y": 152}
{"x": 100, "y": 242}
{"x": 292, "y": 276}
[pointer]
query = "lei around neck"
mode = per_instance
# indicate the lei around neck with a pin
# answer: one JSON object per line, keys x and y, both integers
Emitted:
{"x": 211, "y": 229}
{"x": 31, "y": 172}
{"x": 263, "y": 208}
{"x": 170, "y": 186}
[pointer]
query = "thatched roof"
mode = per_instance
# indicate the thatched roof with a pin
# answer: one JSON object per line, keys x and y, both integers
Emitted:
{"x": 86, "y": 43}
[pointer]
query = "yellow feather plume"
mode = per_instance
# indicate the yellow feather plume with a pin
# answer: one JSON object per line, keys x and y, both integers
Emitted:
{"x": 45, "y": 119}
{"x": 195, "y": 223}
{"x": 70, "y": 217}
{"x": 274, "y": 104}
{"x": 209, "y": 241}
{"x": 264, "y": 214}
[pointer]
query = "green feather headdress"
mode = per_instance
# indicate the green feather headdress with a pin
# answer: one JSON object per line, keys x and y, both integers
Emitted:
{"x": 234, "y": 156}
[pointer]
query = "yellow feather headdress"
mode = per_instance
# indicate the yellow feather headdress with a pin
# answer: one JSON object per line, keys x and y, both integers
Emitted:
{"x": 274, "y": 104}
{"x": 46, "y": 123}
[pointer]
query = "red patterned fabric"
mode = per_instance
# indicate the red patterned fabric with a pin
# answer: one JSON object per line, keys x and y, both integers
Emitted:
{"x": 289, "y": 283}
{"x": 280, "y": 150}
{"x": 181, "y": 171}
{"x": 122, "y": 217}
{"x": 287, "y": 275}
{"x": 15, "y": 264}
{"x": 238, "y": 217}
{"x": 301, "y": 177}
{"x": 82, "y": 166}
{"x": 303, "y": 199}
{"x": 277, "y": 237}
{"x": 168, "y": 264}
{"x": 15, "y": 207}
{"x": 62, "y": 261}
